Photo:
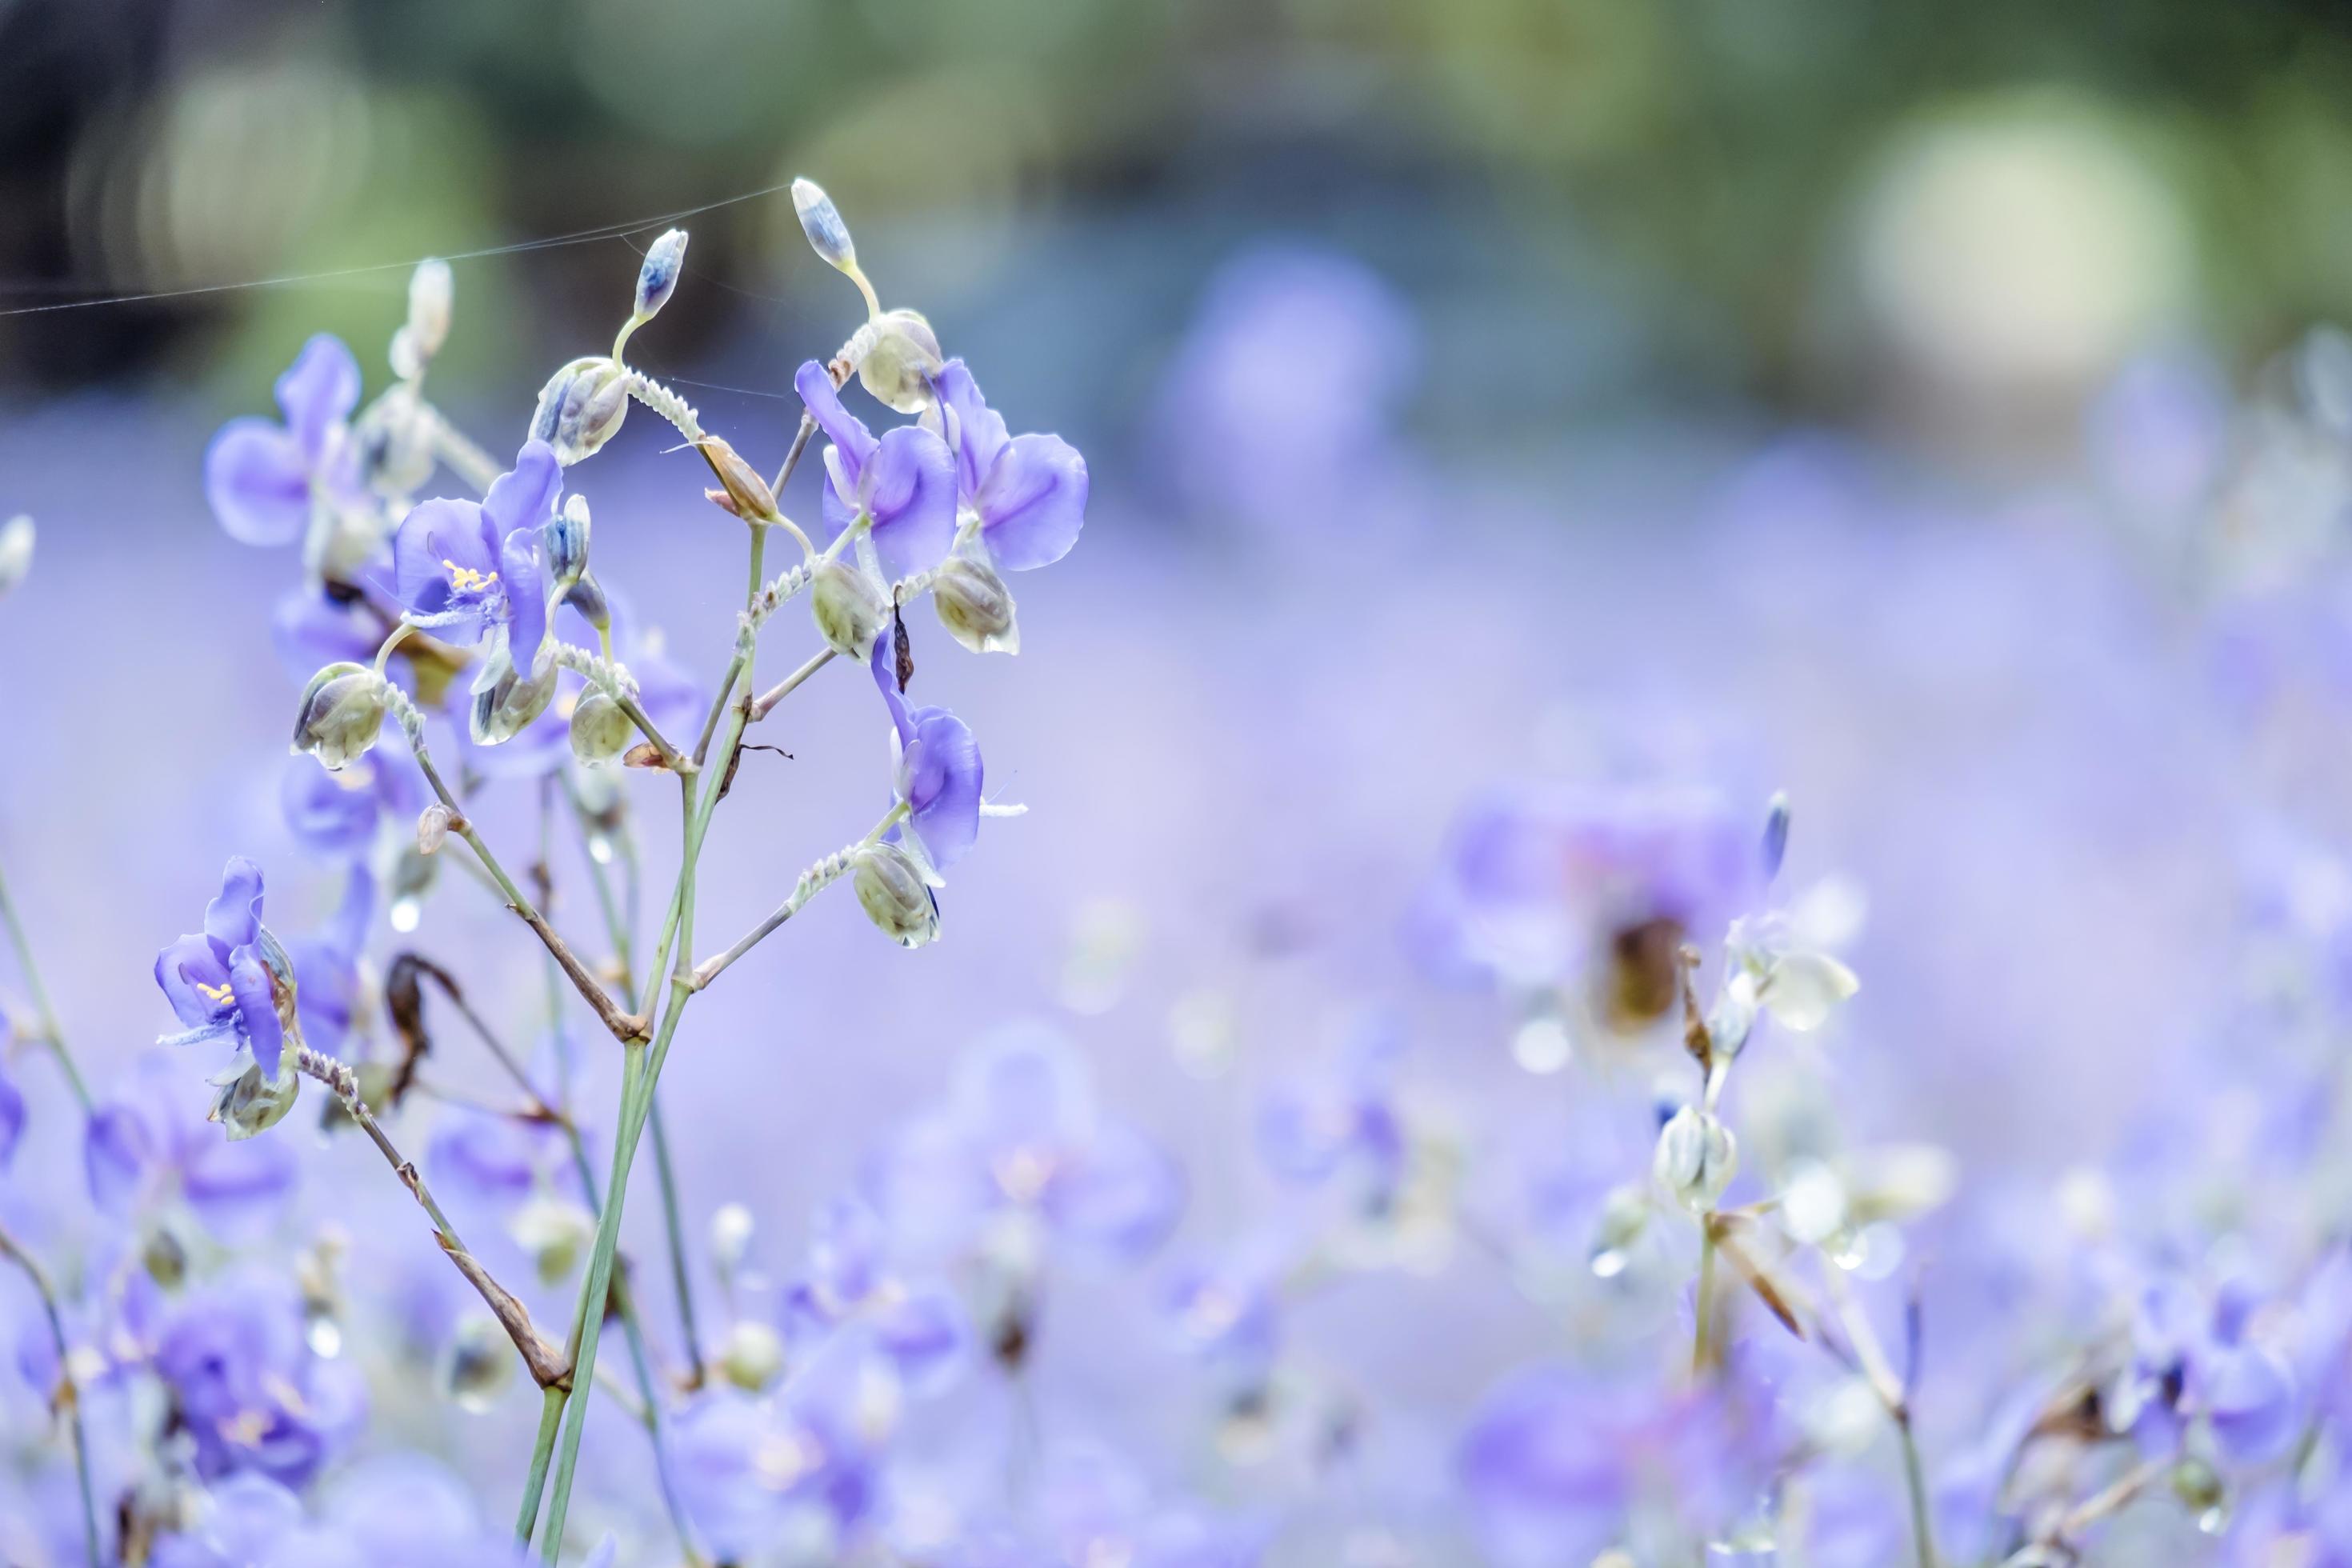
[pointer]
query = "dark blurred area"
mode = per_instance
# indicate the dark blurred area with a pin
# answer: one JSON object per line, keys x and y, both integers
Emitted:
{"x": 1597, "y": 205}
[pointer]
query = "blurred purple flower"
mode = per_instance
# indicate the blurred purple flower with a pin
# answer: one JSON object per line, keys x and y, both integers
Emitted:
{"x": 246, "y": 1386}
{"x": 261, "y": 476}
{"x": 146, "y": 1144}
{"x": 905, "y": 481}
{"x": 920, "y": 1329}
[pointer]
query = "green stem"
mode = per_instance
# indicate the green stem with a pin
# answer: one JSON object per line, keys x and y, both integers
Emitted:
{"x": 1915, "y": 1480}
{"x": 1701, "y": 1302}
{"x": 551, "y": 1417}
{"x": 50, "y": 1033}
{"x": 68, "y": 1395}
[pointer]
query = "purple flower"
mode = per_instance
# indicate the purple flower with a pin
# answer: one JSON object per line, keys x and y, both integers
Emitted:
{"x": 936, "y": 768}
{"x": 220, "y": 981}
{"x": 12, "y": 1110}
{"x": 465, "y": 569}
{"x": 310, "y": 629}
{"x": 905, "y": 481}
{"x": 1309, "y": 1131}
{"x": 747, "y": 1470}
{"x": 919, "y": 1330}
{"x": 144, "y": 1146}
{"x": 326, "y": 965}
{"x": 1029, "y": 492}
{"x": 246, "y": 1386}
{"x": 334, "y": 813}
{"x": 261, "y": 476}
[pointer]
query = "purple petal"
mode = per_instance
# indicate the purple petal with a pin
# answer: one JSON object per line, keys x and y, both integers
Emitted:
{"x": 258, "y": 483}
{"x": 925, "y": 1336}
{"x": 310, "y": 630}
{"x": 116, "y": 1153}
{"x": 943, "y": 784}
{"x": 330, "y": 814}
{"x": 256, "y": 1004}
{"x": 836, "y": 504}
{"x": 12, "y": 1120}
{"x": 1124, "y": 1196}
{"x": 525, "y": 494}
{"x": 911, "y": 493}
{"x": 884, "y": 663}
{"x": 181, "y": 968}
{"x": 434, "y": 537}
{"x": 1025, "y": 1086}
{"x": 525, "y": 596}
{"x": 980, "y": 429}
{"x": 232, "y": 918}
{"x": 843, "y": 429}
{"x": 229, "y": 1185}
{"x": 317, "y": 392}
{"x": 1034, "y": 503}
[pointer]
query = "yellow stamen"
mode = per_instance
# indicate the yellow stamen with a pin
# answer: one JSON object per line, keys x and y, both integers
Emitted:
{"x": 465, "y": 579}
{"x": 214, "y": 993}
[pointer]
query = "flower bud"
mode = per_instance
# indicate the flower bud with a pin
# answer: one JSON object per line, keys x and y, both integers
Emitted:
{"x": 481, "y": 1364}
{"x": 249, "y": 1101}
{"x": 1775, "y": 847}
{"x": 1695, "y": 1159}
{"x": 505, "y": 702}
{"x": 15, "y": 551}
{"x": 849, "y": 609}
{"x": 394, "y": 438}
{"x": 745, "y": 493}
{"x": 975, "y": 606}
{"x": 899, "y": 368}
{"x": 896, "y": 895}
{"x": 581, "y": 407}
{"x": 1625, "y": 1215}
{"x": 563, "y": 543}
{"x": 600, "y": 731}
{"x": 657, "y": 278}
{"x": 433, "y": 824}
{"x": 430, "y": 289}
{"x": 821, "y": 221}
{"x": 752, "y": 1357}
{"x": 340, "y": 715}
{"x": 555, "y": 1232}
{"x": 731, "y": 1237}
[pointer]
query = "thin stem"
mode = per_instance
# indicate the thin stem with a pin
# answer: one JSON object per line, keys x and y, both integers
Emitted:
{"x": 1915, "y": 1482}
{"x": 793, "y": 458}
{"x": 68, "y": 1395}
{"x": 672, "y": 758}
{"x": 813, "y": 881}
{"x": 766, "y": 701}
{"x": 534, "y": 1486}
{"x": 466, "y": 459}
{"x": 51, "y": 1036}
{"x": 623, "y": 1027}
{"x": 1701, "y": 1304}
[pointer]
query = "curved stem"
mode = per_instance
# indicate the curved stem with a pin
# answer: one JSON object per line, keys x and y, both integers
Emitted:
{"x": 51, "y": 1036}
{"x": 68, "y": 1395}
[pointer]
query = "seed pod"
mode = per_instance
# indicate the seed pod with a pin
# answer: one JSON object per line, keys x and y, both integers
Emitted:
{"x": 848, "y": 607}
{"x": 744, "y": 493}
{"x": 898, "y": 367}
{"x": 342, "y": 714}
{"x": 249, "y": 1101}
{"x": 896, "y": 895}
{"x": 581, "y": 407}
{"x": 657, "y": 278}
{"x": 505, "y": 702}
{"x": 754, "y": 1355}
{"x": 1695, "y": 1159}
{"x": 975, "y": 606}
{"x": 600, "y": 730}
{"x": 433, "y": 824}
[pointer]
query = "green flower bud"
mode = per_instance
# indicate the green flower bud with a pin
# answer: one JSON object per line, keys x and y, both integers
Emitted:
{"x": 249, "y": 1101}
{"x": 896, "y": 895}
{"x": 975, "y": 606}
{"x": 555, "y": 1232}
{"x": 581, "y": 407}
{"x": 505, "y": 702}
{"x": 898, "y": 367}
{"x": 342, "y": 714}
{"x": 1695, "y": 1159}
{"x": 848, "y": 606}
{"x": 754, "y": 1355}
{"x": 600, "y": 731}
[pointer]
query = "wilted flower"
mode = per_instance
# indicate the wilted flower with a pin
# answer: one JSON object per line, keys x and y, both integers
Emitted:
{"x": 904, "y": 482}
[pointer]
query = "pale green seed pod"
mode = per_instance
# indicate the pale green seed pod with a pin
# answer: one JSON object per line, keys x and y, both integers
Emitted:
{"x": 754, "y": 1355}
{"x": 847, "y": 607}
{"x": 899, "y": 366}
{"x": 341, "y": 715}
{"x": 1695, "y": 1160}
{"x": 505, "y": 702}
{"x": 601, "y": 732}
{"x": 896, "y": 895}
{"x": 250, "y": 1101}
{"x": 975, "y": 606}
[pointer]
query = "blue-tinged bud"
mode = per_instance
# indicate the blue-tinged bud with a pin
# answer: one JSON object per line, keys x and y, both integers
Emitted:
{"x": 821, "y": 221}
{"x": 848, "y": 607}
{"x": 581, "y": 407}
{"x": 431, "y": 289}
{"x": 341, "y": 715}
{"x": 250, "y": 1101}
{"x": 15, "y": 551}
{"x": 563, "y": 543}
{"x": 587, "y": 597}
{"x": 896, "y": 895}
{"x": 657, "y": 278}
{"x": 1695, "y": 1159}
{"x": 974, "y": 606}
{"x": 505, "y": 700}
{"x": 1776, "y": 834}
{"x": 600, "y": 731}
{"x": 480, "y": 1363}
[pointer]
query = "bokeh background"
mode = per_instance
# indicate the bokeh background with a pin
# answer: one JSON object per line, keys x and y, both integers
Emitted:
{"x": 1915, "y": 409}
